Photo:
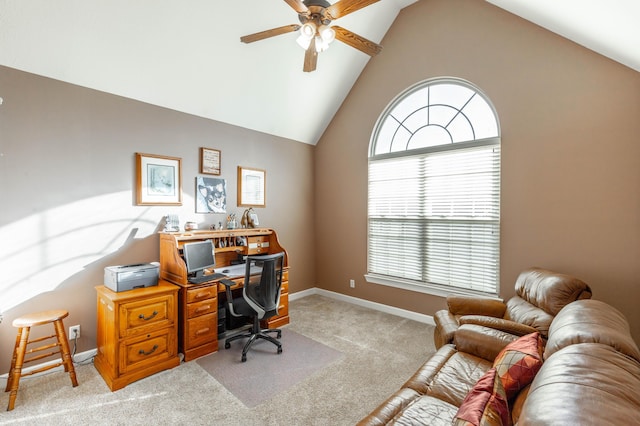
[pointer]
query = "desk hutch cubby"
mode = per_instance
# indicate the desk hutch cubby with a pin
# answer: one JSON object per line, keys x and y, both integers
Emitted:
{"x": 198, "y": 303}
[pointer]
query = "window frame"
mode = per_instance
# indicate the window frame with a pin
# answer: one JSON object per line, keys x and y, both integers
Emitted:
{"x": 420, "y": 286}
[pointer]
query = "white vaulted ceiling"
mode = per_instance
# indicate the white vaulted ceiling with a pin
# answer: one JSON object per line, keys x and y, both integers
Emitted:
{"x": 186, "y": 55}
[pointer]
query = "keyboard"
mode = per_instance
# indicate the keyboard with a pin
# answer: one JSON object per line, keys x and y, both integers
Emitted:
{"x": 205, "y": 278}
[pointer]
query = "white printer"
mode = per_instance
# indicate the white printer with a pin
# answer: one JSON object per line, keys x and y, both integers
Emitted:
{"x": 128, "y": 277}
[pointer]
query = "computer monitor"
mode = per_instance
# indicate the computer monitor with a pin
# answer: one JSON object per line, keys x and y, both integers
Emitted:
{"x": 199, "y": 256}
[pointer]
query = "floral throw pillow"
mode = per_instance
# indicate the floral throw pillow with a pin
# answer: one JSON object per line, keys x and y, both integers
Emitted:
{"x": 518, "y": 363}
{"x": 485, "y": 404}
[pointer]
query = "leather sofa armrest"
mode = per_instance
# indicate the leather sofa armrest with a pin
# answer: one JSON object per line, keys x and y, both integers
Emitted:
{"x": 507, "y": 326}
{"x": 467, "y": 305}
{"x": 481, "y": 341}
{"x": 446, "y": 326}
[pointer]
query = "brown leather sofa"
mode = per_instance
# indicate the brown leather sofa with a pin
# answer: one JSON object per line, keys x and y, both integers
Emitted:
{"x": 590, "y": 374}
{"x": 540, "y": 294}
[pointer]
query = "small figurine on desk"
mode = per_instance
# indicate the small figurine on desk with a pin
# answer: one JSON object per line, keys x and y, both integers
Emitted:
{"x": 250, "y": 219}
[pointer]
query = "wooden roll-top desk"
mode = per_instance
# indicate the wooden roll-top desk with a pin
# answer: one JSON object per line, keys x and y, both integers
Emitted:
{"x": 198, "y": 303}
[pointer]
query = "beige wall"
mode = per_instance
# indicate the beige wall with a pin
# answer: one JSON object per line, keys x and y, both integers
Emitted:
{"x": 570, "y": 151}
{"x": 570, "y": 171}
{"x": 66, "y": 179}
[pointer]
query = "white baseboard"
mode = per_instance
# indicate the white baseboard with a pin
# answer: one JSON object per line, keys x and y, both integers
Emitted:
{"x": 426, "y": 319}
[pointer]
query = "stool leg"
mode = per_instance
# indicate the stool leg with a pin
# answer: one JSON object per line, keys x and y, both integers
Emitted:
{"x": 16, "y": 365}
{"x": 13, "y": 360}
{"x": 66, "y": 352}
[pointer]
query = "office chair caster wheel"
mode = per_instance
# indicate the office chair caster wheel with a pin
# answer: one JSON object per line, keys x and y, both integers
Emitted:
{"x": 279, "y": 335}
{"x": 227, "y": 345}
{"x": 244, "y": 358}
{"x": 279, "y": 350}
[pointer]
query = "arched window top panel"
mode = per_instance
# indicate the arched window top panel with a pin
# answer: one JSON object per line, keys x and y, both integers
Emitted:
{"x": 434, "y": 112}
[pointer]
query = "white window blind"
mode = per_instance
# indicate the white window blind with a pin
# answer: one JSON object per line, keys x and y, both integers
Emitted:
{"x": 434, "y": 214}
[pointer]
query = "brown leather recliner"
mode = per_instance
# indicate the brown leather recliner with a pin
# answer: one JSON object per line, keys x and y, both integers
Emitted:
{"x": 540, "y": 295}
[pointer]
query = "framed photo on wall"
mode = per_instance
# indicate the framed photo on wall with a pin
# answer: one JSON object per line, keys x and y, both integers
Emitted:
{"x": 252, "y": 184}
{"x": 158, "y": 180}
{"x": 211, "y": 195}
{"x": 210, "y": 161}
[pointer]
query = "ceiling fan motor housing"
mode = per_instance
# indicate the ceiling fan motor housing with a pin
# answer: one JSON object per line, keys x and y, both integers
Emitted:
{"x": 316, "y": 13}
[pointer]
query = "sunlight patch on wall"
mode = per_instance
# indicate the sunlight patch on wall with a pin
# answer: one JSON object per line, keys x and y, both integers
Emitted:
{"x": 45, "y": 249}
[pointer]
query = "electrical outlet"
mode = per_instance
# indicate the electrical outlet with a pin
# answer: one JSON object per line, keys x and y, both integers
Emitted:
{"x": 74, "y": 331}
{"x": 352, "y": 283}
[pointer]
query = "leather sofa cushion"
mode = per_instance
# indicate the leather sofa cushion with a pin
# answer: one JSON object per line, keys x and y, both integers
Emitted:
{"x": 523, "y": 312}
{"x": 482, "y": 341}
{"x": 448, "y": 375}
{"x": 550, "y": 291}
{"x": 584, "y": 384}
{"x": 588, "y": 321}
{"x": 426, "y": 410}
{"x": 455, "y": 379}
{"x": 408, "y": 407}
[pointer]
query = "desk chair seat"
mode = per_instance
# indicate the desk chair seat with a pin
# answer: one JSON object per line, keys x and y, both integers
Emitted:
{"x": 61, "y": 346}
{"x": 260, "y": 300}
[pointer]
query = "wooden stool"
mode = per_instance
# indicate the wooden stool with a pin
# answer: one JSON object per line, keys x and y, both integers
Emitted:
{"x": 61, "y": 346}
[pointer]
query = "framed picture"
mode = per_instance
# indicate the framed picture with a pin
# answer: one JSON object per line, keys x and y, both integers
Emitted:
{"x": 211, "y": 195}
{"x": 251, "y": 187}
{"x": 158, "y": 180}
{"x": 210, "y": 161}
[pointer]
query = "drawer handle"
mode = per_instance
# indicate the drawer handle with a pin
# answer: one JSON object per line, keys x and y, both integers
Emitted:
{"x": 142, "y": 317}
{"x": 202, "y": 295}
{"x": 142, "y": 352}
{"x": 202, "y": 331}
{"x": 203, "y": 308}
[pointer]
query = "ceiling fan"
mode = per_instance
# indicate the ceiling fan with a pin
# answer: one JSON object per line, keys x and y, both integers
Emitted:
{"x": 316, "y": 31}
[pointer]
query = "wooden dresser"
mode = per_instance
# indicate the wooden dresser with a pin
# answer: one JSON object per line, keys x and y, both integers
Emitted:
{"x": 137, "y": 332}
{"x": 198, "y": 303}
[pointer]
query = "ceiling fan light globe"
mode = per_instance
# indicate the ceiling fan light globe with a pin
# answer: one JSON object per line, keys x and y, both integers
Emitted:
{"x": 308, "y": 30}
{"x": 321, "y": 45}
{"x": 327, "y": 33}
{"x": 303, "y": 41}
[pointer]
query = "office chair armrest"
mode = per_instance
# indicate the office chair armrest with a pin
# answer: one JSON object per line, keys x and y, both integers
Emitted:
{"x": 227, "y": 283}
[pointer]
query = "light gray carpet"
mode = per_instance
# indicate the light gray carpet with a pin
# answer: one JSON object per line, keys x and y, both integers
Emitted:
{"x": 381, "y": 352}
{"x": 267, "y": 373}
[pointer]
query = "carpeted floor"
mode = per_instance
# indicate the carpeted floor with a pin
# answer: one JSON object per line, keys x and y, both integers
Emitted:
{"x": 266, "y": 373}
{"x": 380, "y": 352}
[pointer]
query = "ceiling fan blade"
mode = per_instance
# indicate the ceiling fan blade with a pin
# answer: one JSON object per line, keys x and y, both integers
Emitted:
{"x": 310, "y": 57}
{"x": 269, "y": 33}
{"x": 356, "y": 41}
{"x": 345, "y": 7}
{"x": 298, "y": 6}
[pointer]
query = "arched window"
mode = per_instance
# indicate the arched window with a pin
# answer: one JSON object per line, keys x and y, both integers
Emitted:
{"x": 434, "y": 191}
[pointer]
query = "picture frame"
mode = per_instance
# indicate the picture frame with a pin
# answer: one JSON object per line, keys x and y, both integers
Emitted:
{"x": 252, "y": 184}
{"x": 211, "y": 195}
{"x": 210, "y": 161}
{"x": 158, "y": 180}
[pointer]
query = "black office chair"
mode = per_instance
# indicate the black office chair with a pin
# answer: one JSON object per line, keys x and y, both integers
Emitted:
{"x": 260, "y": 299}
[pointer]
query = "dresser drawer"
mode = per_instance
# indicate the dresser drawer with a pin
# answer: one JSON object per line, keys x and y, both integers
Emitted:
{"x": 147, "y": 350}
{"x": 198, "y": 294}
{"x": 201, "y": 330}
{"x": 144, "y": 316}
{"x": 202, "y": 308}
{"x": 283, "y": 306}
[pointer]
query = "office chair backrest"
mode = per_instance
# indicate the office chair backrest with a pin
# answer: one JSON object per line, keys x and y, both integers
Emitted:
{"x": 264, "y": 295}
